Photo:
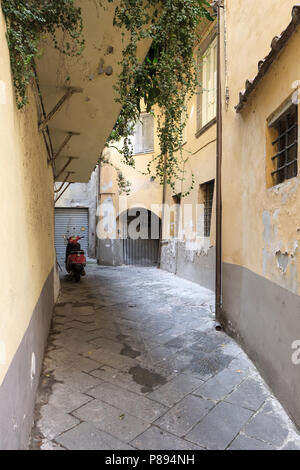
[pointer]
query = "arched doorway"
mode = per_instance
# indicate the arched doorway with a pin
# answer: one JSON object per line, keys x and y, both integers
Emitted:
{"x": 140, "y": 229}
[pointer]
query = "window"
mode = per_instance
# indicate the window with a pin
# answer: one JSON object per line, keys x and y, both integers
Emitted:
{"x": 175, "y": 216}
{"x": 143, "y": 139}
{"x": 207, "y": 98}
{"x": 206, "y": 197}
{"x": 285, "y": 146}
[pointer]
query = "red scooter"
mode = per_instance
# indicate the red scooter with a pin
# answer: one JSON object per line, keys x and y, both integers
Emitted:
{"x": 75, "y": 259}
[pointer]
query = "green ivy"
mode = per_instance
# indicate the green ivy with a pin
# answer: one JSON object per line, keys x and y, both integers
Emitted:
{"x": 27, "y": 21}
{"x": 124, "y": 184}
{"x": 166, "y": 79}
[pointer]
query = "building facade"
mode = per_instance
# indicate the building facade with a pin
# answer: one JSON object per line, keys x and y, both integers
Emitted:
{"x": 260, "y": 186}
{"x": 76, "y": 214}
{"x": 56, "y": 137}
{"x": 139, "y": 205}
{"x": 187, "y": 224}
{"x": 28, "y": 259}
{"x": 260, "y": 181}
{"x": 188, "y": 249}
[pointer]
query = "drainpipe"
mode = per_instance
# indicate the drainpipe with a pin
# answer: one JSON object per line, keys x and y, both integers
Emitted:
{"x": 98, "y": 204}
{"x": 218, "y": 305}
{"x": 163, "y": 209}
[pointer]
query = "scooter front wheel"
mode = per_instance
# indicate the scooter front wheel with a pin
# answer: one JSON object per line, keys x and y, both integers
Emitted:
{"x": 77, "y": 277}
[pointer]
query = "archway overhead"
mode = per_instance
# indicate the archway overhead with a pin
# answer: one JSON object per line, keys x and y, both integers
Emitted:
{"x": 78, "y": 93}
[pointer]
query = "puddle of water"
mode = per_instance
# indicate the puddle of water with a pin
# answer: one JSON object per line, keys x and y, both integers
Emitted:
{"x": 146, "y": 378}
{"x": 129, "y": 352}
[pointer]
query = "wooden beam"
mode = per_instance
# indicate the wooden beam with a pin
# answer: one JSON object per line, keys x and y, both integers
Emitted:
{"x": 70, "y": 159}
{"x": 65, "y": 142}
{"x": 70, "y": 91}
{"x": 64, "y": 181}
{"x": 60, "y": 195}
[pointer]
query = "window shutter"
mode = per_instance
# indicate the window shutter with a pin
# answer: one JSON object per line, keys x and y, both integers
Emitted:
{"x": 144, "y": 134}
{"x": 138, "y": 138}
{"x": 199, "y": 95}
{"x": 148, "y": 133}
{"x": 207, "y": 99}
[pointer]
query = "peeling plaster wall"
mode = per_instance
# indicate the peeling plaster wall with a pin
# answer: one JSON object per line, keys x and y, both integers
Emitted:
{"x": 193, "y": 256}
{"x": 190, "y": 257}
{"x": 261, "y": 265}
{"x": 260, "y": 223}
{"x": 144, "y": 193}
{"x": 197, "y": 265}
{"x": 280, "y": 256}
{"x": 84, "y": 195}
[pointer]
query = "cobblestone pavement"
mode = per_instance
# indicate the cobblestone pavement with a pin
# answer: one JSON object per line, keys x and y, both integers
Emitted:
{"x": 134, "y": 362}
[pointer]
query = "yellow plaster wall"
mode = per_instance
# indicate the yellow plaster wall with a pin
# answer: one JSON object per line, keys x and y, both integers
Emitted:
{"x": 26, "y": 208}
{"x": 261, "y": 225}
{"x": 144, "y": 192}
{"x": 200, "y": 153}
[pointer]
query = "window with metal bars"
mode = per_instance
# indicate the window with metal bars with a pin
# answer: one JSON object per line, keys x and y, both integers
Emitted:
{"x": 208, "y": 193}
{"x": 286, "y": 144}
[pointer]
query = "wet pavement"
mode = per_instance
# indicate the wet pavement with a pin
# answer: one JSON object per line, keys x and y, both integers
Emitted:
{"x": 134, "y": 362}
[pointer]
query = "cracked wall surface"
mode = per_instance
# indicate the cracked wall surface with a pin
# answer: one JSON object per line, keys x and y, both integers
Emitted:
{"x": 261, "y": 222}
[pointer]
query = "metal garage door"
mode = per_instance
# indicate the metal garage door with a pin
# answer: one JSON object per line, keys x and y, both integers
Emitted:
{"x": 140, "y": 252}
{"x": 69, "y": 221}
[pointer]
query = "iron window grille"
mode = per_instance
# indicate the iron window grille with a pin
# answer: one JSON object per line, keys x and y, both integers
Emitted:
{"x": 208, "y": 189}
{"x": 286, "y": 144}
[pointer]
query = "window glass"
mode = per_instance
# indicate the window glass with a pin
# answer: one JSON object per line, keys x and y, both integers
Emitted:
{"x": 143, "y": 139}
{"x": 207, "y": 98}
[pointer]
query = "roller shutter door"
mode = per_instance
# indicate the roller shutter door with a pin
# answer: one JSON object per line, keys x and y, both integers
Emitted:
{"x": 70, "y": 221}
{"x": 140, "y": 252}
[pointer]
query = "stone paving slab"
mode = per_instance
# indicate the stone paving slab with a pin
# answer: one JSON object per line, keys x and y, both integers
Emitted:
{"x": 180, "y": 419}
{"x": 268, "y": 428}
{"x": 112, "y": 420}
{"x": 75, "y": 379}
{"x": 54, "y": 422}
{"x": 157, "y": 439}
{"x": 250, "y": 394}
{"x": 220, "y": 426}
{"x": 134, "y": 362}
{"x": 243, "y": 442}
{"x": 174, "y": 390}
{"x": 130, "y": 402}
{"x": 221, "y": 385}
{"x": 88, "y": 437}
{"x": 66, "y": 399}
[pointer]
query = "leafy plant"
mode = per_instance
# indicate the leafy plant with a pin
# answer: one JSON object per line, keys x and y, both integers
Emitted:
{"x": 27, "y": 21}
{"x": 123, "y": 183}
{"x": 165, "y": 80}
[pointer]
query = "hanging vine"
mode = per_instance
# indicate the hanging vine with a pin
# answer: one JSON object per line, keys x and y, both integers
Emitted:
{"x": 27, "y": 21}
{"x": 124, "y": 184}
{"x": 166, "y": 79}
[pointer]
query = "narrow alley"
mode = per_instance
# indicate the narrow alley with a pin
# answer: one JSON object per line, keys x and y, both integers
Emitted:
{"x": 134, "y": 362}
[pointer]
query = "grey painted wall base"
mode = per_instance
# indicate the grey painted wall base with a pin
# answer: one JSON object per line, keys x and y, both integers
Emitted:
{"x": 18, "y": 390}
{"x": 194, "y": 266}
{"x": 110, "y": 252}
{"x": 265, "y": 319}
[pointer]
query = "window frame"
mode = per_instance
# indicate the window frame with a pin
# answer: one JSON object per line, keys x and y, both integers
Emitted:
{"x": 136, "y": 148}
{"x": 206, "y": 198}
{"x": 279, "y": 147}
{"x": 203, "y": 49}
